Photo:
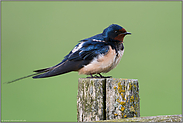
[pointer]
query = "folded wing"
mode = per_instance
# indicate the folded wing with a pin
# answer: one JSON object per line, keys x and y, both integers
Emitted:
{"x": 82, "y": 54}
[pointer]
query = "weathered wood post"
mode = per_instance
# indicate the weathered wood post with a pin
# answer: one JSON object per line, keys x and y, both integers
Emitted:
{"x": 122, "y": 98}
{"x": 90, "y": 99}
{"x": 107, "y": 98}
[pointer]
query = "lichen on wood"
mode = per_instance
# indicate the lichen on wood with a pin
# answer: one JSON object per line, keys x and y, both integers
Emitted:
{"x": 122, "y": 98}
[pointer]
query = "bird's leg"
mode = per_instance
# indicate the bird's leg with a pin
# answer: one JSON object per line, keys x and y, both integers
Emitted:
{"x": 100, "y": 76}
{"x": 91, "y": 76}
{"x": 97, "y": 76}
{"x": 104, "y": 76}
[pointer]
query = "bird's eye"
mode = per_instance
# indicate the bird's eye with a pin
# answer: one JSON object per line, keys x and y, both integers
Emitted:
{"x": 115, "y": 31}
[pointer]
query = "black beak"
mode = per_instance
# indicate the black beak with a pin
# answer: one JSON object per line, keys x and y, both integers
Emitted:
{"x": 126, "y": 33}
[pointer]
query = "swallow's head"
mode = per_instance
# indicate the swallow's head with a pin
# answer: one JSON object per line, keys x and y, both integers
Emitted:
{"x": 114, "y": 33}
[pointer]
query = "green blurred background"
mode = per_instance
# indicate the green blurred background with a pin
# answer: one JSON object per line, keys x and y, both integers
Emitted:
{"x": 36, "y": 35}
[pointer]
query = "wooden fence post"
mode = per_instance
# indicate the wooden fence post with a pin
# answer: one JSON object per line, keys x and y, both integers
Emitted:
{"x": 104, "y": 99}
{"x": 90, "y": 99}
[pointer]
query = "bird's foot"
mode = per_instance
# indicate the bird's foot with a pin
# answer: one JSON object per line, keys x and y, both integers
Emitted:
{"x": 93, "y": 76}
{"x": 97, "y": 76}
{"x": 100, "y": 76}
{"x": 104, "y": 76}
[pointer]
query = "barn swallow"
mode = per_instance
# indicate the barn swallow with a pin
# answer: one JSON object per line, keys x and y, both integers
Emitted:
{"x": 95, "y": 55}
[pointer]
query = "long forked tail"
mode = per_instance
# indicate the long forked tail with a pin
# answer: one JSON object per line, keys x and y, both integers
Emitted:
{"x": 37, "y": 73}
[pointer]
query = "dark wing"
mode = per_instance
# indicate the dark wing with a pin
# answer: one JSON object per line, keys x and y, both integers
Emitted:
{"x": 82, "y": 54}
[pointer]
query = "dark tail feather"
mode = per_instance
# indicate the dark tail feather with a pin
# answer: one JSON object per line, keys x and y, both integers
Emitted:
{"x": 38, "y": 72}
{"x": 49, "y": 74}
{"x": 42, "y": 70}
{"x": 21, "y": 78}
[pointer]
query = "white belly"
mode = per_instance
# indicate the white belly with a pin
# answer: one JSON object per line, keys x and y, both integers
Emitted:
{"x": 103, "y": 64}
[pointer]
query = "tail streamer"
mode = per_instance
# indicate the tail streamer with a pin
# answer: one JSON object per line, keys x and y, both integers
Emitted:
{"x": 21, "y": 78}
